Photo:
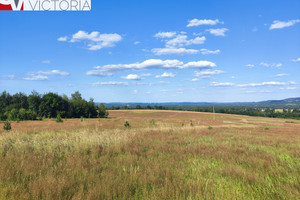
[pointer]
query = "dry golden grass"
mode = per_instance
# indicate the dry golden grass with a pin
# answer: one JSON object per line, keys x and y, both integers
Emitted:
{"x": 237, "y": 159}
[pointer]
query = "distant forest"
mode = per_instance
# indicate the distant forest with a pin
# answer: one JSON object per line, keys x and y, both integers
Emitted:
{"x": 36, "y": 106}
{"x": 288, "y": 113}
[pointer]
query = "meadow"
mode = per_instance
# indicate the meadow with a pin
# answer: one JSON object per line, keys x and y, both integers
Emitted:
{"x": 162, "y": 155}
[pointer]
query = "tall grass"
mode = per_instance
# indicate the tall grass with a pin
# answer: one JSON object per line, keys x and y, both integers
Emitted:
{"x": 161, "y": 162}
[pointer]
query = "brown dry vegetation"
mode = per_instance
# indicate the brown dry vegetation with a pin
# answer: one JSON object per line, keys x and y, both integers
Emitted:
{"x": 101, "y": 159}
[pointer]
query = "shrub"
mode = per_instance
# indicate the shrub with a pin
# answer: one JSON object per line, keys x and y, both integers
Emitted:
{"x": 210, "y": 128}
{"x": 81, "y": 119}
{"x": 191, "y": 123}
{"x": 182, "y": 124}
{"x": 7, "y": 126}
{"x": 58, "y": 119}
{"x": 267, "y": 128}
{"x": 127, "y": 125}
{"x": 152, "y": 122}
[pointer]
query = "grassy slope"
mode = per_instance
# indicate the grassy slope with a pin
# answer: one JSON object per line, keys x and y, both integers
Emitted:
{"x": 238, "y": 159}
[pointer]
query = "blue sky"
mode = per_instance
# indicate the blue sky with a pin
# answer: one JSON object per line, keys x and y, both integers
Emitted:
{"x": 156, "y": 51}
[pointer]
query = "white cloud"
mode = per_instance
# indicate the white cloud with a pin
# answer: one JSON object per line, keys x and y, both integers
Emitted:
{"x": 270, "y": 83}
{"x": 280, "y": 75}
{"x": 136, "y": 42}
{"x": 199, "y": 65}
{"x": 96, "y": 41}
{"x": 63, "y": 39}
{"x": 132, "y": 77}
{"x": 291, "y": 88}
{"x": 53, "y": 72}
{"x": 109, "y": 70}
{"x": 218, "y": 31}
{"x": 207, "y": 73}
{"x": 227, "y": 84}
{"x": 281, "y": 24}
{"x": 250, "y": 65}
{"x": 195, "y": 79}
{"x": 182, "y": 40}
{"x": 167, "y": 51}
{"x": 44, "y": 75}
{"x": 110, "y": 83}
{"x": 166, "y": 75}
{"x": 206, "y": 51}
{"x": 36, "y": 78}
{"x": 180, "y": 51}
{"x": 278, "y": 65}
{"x": 296, "y": 60}
{"x": 199, "y": 22}
{"x": 165, "y": 34}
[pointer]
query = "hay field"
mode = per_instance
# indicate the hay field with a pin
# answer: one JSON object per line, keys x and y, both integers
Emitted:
{"x": 163, "y": 155}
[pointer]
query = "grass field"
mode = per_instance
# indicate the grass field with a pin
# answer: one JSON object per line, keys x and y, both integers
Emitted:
{"x": 163, "y": 155}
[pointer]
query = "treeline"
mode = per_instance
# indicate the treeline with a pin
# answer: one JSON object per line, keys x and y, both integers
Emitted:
{"x": 36, "y": 106}
{"x": 238, "y": 110}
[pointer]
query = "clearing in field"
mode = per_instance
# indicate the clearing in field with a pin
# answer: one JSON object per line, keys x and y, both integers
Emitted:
{"x": 162, "y": 155}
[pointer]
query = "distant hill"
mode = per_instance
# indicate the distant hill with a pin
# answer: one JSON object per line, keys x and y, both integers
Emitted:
{"x": 286, "y": 103}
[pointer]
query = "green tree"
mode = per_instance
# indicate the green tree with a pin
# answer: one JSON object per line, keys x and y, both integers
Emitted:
{"x": 34, "y": 101}
{"x": 102, "y": 112}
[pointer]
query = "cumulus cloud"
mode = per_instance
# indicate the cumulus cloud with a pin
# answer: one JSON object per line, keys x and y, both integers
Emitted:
{"x": 63, "y": 39}
{"x": 166, "y": 75}
{"x": 250, "y": 65}
{"x": 206, "y": 51}
{"x": 36, "y": 77}
{"x": 110, "y": 83}
{"x": 270, "y": 83}
{"x": 280, "y": 75}
{"x": 199, "y": 22}
{"x": 44, "y": 75}
{"x": 277, "y": 65}
{"x": 181, "y": 51}
{"x": 296, "y": 60}
{"x": 178, "y": 51}
{"x": 132, "y": 77}
{"x": 218, "y": 31}
{"x": 165, "y": 34}
{"x": 182, "y": 40}
{"x": 96, "y": 41}
{"x": 207, "y": 73}
{"x": 109, "y": 70}
{"x": 283, "y": 24}
{"x": 226, "y": 84}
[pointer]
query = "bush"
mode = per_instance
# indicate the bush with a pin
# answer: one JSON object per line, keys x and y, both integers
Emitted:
{"x": 127, "y": 125}
{"x": 191, "y": 123}
{"x": 7, "y": 126}
{"x": 152, "y": 122}
{"x": 81, "y": 119}
{"x": 210, "y": 128}
{"x": 267, "y": 128}
{"x": 58, "y": 119}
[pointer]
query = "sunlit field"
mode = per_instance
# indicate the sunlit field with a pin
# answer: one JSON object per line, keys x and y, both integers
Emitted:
{"x": 162, "y": 155}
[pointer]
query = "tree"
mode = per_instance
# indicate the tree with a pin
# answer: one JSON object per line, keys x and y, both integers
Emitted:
{"x": 7, "y": 126}
{"x": 52, "y": 104}
{"x": 34, "y": 101}
{"x": 102, "y": 112}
